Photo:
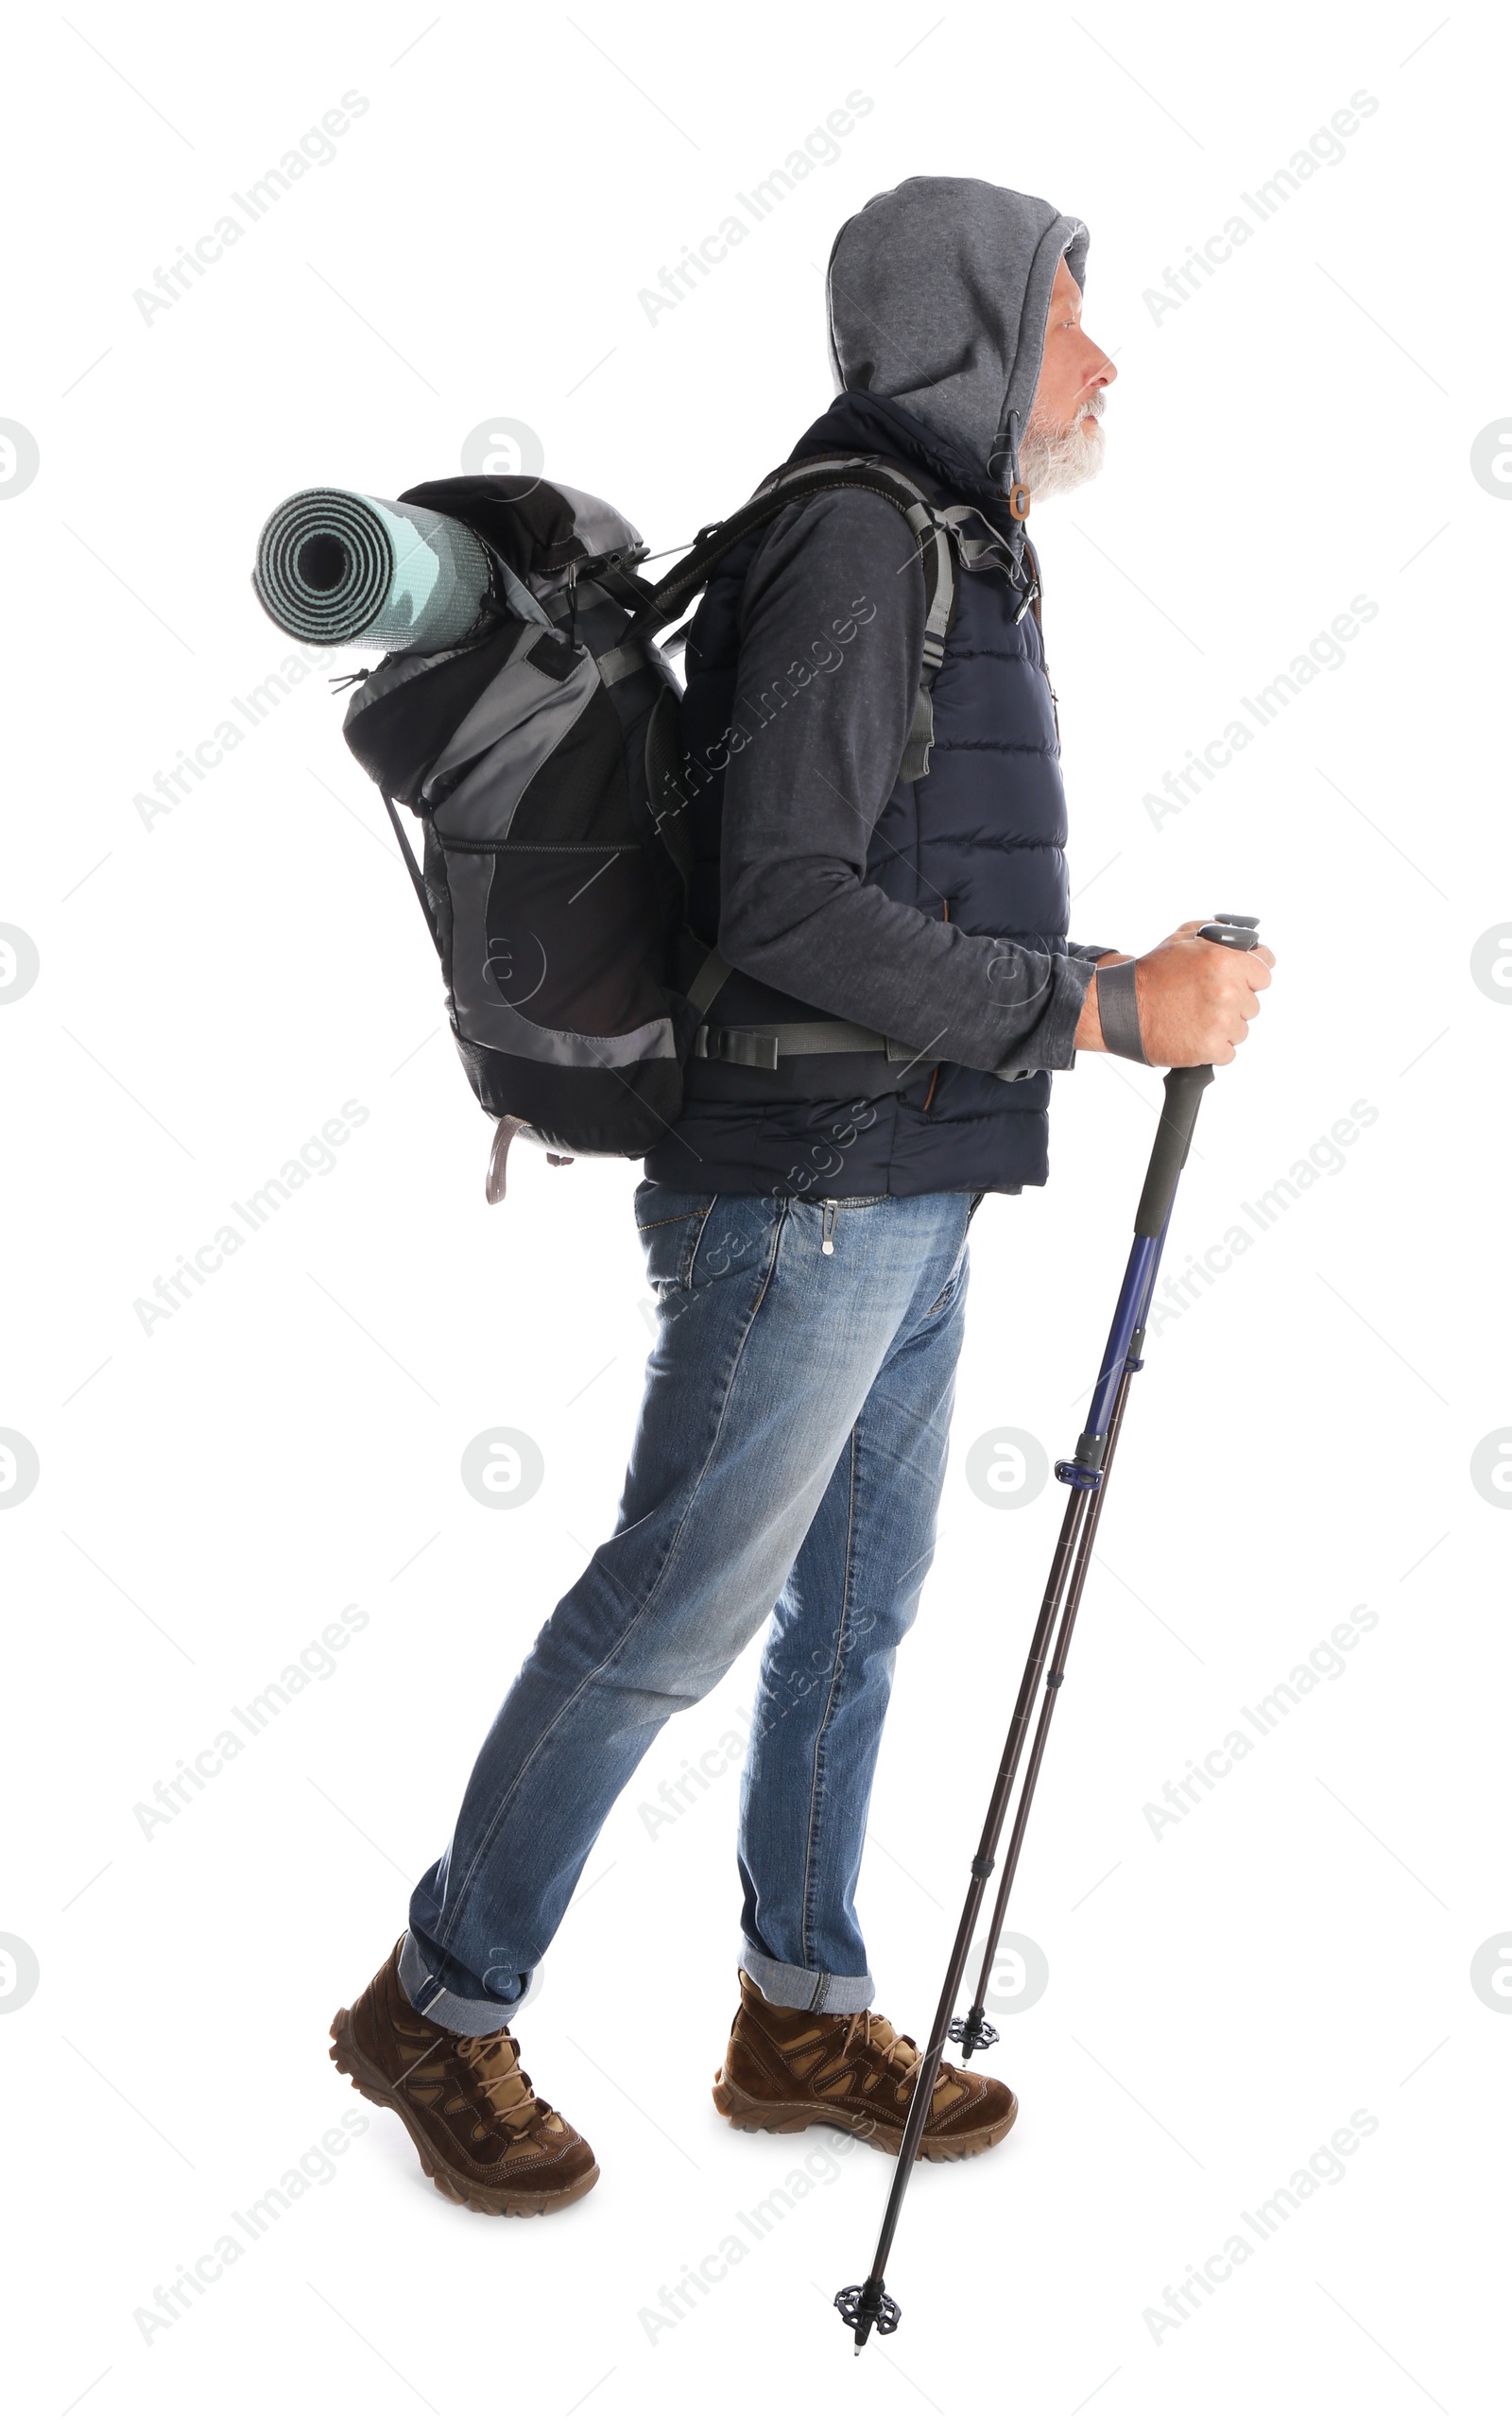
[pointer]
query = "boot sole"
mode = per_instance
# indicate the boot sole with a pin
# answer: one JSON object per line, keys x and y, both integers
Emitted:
{"x": 369, "y": 2081}
{"x": 745, "y": 2112}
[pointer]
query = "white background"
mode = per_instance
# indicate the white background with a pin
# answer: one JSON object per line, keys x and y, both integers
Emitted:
{"x": 214, "y": 986}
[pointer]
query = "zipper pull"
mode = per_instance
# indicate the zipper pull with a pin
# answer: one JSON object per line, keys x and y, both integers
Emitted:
{"x": 827, "y": 1234}
{"x": 1023, "y": 610}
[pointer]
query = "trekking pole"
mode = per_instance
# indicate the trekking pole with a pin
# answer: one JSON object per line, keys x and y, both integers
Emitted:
{"x": 866, "y": 2305}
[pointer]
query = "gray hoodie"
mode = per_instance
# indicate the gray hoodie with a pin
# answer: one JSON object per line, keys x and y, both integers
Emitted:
{"x": 938, "y": 293}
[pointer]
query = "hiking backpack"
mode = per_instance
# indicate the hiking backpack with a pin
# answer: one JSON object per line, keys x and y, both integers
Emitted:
{"x": 542, "y": 759}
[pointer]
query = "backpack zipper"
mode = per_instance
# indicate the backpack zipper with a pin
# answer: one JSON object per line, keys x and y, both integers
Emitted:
{"x": 530, "y": 845}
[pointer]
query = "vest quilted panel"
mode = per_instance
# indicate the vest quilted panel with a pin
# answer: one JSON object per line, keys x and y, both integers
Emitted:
{"x": 978, "y": 840}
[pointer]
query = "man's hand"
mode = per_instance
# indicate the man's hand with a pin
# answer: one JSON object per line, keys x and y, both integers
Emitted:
{"x": 1196, "y": 999}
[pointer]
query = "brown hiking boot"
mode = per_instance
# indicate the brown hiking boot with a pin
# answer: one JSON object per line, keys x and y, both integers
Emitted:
{"x": 792, "y": 2070}
{"x": 482, "y": 2134}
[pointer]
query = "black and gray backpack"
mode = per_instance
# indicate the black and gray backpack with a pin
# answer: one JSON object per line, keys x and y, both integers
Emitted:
{"x": 542, "y": 759}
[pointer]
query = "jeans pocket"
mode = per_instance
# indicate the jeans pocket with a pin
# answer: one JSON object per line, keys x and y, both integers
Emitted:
{"x": 670, "y": 1226}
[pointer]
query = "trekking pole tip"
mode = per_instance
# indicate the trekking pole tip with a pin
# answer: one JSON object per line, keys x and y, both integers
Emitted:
{"x": 971, "y": 2032}
{"x": 862, "y": 2305}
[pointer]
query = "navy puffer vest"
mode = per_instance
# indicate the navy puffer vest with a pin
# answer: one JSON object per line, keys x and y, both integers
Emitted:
{"x": 981, "y": 836}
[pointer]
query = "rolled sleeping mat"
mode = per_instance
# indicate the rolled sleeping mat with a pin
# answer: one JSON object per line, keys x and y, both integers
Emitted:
{"x": 335, "y": 566}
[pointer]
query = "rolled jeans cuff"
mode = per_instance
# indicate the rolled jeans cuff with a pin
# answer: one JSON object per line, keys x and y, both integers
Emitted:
{"x": 432, "y": 1998}
{"x": 805, "y": 1990}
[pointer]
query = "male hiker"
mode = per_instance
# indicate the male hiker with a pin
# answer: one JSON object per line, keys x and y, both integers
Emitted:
{"x": 805, "y": 1221}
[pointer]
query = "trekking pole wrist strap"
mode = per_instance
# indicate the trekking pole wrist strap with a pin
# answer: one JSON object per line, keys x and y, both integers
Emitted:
{"x": 1118, "y": 1010}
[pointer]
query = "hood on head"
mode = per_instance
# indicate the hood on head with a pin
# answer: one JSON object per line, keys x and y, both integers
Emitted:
{"x": 938, "y": 292}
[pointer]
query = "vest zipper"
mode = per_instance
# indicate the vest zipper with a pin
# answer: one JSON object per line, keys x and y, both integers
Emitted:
{"x": 826, "y": 1232}
{"x": 1036, "y": 595}
{"x": 944, "y": 914}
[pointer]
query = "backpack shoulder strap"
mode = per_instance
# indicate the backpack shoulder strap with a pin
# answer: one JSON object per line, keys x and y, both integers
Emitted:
{"x": 932, "y": 531}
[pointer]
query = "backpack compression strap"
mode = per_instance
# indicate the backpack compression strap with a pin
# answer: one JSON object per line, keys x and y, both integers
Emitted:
{"x": 413, "y": 868}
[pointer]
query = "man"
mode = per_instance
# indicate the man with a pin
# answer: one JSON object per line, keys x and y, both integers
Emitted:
{"x": 805, "y": 1221}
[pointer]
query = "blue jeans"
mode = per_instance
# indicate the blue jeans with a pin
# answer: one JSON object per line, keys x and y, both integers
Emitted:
{"x": 789, "y": 1455}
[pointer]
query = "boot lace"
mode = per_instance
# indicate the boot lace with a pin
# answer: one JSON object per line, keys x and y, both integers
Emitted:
{"x": 889, "y": 2045}
{"x": 494, "y": 2062}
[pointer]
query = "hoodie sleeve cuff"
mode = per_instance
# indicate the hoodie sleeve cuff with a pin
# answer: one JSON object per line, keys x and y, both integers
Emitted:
{"x": 1051, "y": 1046}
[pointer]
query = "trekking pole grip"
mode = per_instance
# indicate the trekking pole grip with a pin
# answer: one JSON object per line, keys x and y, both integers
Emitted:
{"x": 1184, "y": 1086}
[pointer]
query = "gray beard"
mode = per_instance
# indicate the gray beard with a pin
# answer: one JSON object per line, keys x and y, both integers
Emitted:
{"x": 1054, "y": 460}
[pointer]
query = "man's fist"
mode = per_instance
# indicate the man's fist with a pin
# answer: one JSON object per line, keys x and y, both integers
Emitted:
{"x": 1196, "y": 999}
